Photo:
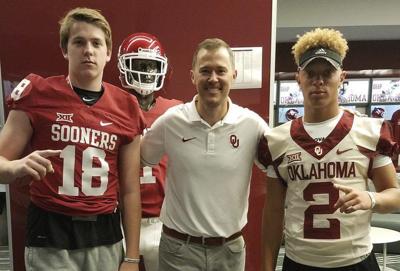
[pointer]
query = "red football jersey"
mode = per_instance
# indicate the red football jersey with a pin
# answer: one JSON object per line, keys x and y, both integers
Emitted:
{"x": 85, "y": 181}
{"x": 395, "y": 121}
{"x": 153, "y": 178}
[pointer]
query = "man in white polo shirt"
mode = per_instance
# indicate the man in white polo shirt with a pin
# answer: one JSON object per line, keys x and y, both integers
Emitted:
{"x": 211, "y": 144}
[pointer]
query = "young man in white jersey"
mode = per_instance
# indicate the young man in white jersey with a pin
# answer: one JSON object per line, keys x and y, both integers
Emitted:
{"x": 84, "y": 134}
{"x": 143, "y": 67}
{"x": 320, "y": 166}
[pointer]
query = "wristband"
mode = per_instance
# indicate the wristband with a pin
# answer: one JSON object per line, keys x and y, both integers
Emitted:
{"x": 131, "y": 260}
{"x": 373, "y": 199}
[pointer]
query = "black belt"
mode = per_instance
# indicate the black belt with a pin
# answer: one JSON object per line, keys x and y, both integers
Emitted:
{"x": 208, "y": 241}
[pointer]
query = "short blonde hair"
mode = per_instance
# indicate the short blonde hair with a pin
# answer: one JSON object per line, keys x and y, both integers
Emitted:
{"x": 87, "y": 15}
{"x": 320, "y": 37}
{"x": 212, "y": 45}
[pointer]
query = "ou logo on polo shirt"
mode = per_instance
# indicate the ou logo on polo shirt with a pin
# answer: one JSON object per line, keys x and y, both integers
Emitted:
{"x": 234, "y": 141}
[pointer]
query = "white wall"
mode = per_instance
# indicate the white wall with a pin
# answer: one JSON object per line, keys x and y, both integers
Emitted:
{"x": 357, "y": 19}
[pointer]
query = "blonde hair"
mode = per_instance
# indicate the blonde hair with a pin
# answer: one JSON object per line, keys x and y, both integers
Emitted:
{"x": 320, "y": 37}
{"x": 212, "y": 45}
{"x": 87, "y": 15}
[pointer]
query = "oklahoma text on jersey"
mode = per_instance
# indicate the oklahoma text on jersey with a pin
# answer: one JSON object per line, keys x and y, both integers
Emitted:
{"x": 327, "y": 170}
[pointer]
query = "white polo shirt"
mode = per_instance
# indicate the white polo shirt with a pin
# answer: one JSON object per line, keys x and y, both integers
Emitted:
{"x": 209, "y": 168}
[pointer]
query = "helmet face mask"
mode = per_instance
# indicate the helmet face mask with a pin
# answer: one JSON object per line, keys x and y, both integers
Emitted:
{"x": 142, "y": 63}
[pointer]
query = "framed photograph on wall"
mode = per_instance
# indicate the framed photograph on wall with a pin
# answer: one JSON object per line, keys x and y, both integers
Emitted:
{"x": 290, "y": 93}
{"x": 354, "y": 91}
{"x": 385, "y": 90}
{"x": 289, "y": 113}
{"x": 385, "y": 111}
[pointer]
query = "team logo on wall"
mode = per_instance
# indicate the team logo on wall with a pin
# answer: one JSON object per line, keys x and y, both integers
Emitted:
{"x": 294, "y": 157}
{"x": 234, "y": 141}
{"x": 318, "y": 150}
{"x": 64, "y": 117}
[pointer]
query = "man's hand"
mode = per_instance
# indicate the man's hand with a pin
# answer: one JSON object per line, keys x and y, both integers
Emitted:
{"x": 352, "y": 199}
{"x": 35, "y": 165}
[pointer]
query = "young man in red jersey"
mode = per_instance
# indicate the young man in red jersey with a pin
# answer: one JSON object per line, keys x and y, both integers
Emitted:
{"x": 143, "y": 67}
{"x": 85, "y": 136}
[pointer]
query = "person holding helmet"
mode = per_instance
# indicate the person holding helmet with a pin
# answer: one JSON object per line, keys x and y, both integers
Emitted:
{"x": 143, "y": 67}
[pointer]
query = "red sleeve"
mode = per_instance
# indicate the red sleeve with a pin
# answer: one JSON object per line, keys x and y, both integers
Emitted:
{"x": 387, "y": 144}
{"x": 264, "y": 156}
{"x": 23, "y": 95}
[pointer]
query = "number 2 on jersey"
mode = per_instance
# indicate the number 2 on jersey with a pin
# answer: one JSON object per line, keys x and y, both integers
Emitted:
{"x": 311, "y": 232}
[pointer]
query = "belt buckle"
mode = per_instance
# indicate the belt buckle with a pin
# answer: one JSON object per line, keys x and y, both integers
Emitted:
{"x": 203, "y": 240}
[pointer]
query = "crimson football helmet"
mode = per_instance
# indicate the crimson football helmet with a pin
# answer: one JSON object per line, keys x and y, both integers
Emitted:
{"x": 292, "y": 114}
{"x": 378, "y": 112}
{"x": 142, "y": 63}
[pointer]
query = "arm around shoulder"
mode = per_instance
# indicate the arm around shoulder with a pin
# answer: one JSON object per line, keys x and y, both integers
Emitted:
{"x": 153, "y": 143}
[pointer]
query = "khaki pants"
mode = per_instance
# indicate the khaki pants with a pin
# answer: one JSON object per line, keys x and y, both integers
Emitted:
{"x": 105, "y": 258}
{"x": 177, "y": 255}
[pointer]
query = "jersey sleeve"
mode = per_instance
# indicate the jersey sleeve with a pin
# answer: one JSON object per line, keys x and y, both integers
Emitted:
{"x": 264, "y": 155}
{"x": 387, "y": 145}
{"x": 127, "y": 111}
{"x": 23, "y": 95}
{"x": 27, "y": 96}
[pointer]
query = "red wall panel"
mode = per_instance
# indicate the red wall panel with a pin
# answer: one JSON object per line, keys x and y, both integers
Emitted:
{"x": 29, "y": 43}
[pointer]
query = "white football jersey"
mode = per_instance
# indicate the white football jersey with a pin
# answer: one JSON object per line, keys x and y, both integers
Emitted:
{"x": 315, "y": 233}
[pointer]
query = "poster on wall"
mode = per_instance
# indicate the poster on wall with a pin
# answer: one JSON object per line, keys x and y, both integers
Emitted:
{"x": 354, "y": 91}
{"x": 385, "y": 111}
{"x": 286, "y": 114}
{"x": 290, "y": 93}
{"x": 385, "y": 90}
{"x": 289, "y": 113}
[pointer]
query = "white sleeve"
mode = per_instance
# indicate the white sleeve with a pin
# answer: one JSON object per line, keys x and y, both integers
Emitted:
{"x": 152, "y": 143}
{"x": 381, "y": 160}
{"x": 271, "y": 172}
